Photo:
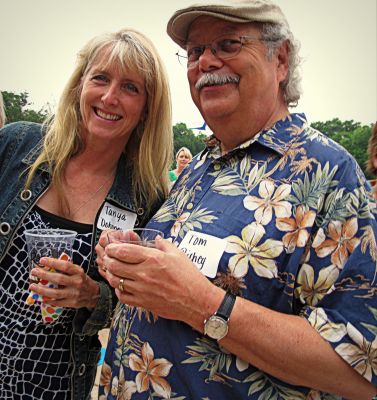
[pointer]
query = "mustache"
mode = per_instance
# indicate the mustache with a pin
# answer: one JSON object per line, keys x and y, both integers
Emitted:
{"x": 211, "y": 79}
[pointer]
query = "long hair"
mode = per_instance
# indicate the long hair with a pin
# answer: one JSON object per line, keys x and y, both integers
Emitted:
{"x": 275, "y": 35}
{"x": 372, "y": 151}
{"x": 2, "y": 112}
{"x": 150, "y": 147}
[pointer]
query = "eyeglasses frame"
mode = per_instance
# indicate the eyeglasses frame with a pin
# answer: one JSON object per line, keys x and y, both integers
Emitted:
{"x": 242, "y": 39}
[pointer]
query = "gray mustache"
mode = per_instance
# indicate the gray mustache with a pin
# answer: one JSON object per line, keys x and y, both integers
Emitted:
{"x": 209, "y": 79}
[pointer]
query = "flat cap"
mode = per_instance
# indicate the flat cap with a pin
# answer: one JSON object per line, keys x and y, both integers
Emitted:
{"x": 241, "y": 11}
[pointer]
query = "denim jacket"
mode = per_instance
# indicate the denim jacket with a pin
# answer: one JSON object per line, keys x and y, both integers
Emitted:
{"x": 20, "y": 144}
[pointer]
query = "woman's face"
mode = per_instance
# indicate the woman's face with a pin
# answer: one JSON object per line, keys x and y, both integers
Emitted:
{"x": 112, "y": 102}
{"x": 182, "y": 159}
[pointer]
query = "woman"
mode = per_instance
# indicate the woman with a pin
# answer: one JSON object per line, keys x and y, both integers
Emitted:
{"x": 371, "y": 163}
{"x": 182, "y": 158}
{"x": 90, "y": 167}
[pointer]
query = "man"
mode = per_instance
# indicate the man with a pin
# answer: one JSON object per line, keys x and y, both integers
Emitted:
{"x": 268, "y": 291}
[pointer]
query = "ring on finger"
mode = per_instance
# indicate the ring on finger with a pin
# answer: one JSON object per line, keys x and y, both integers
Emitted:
{"x": 121, "y": 285}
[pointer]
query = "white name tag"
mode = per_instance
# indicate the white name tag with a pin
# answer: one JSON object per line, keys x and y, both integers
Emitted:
{"x": 204, "y": 251}
{"x": 113, "y": 217}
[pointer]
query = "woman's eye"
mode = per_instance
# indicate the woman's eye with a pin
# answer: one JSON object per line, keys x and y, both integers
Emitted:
{"x": 100, "y": 78}
{"x": 131, "y": 87}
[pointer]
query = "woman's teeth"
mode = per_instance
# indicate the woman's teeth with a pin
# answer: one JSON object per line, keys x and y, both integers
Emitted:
{"x": 111, "y": 117}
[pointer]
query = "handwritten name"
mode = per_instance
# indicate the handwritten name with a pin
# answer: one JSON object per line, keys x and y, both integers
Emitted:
{"x": 115, "y": 214}
{"x": 108, "y": 225}
{"x": 195, "y": 258}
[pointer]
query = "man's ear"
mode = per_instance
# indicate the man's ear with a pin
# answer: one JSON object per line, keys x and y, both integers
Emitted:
{"x": 283, "y": 61}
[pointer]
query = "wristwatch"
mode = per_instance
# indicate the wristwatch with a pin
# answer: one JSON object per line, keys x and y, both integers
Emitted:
{"x": 216, "y": 326}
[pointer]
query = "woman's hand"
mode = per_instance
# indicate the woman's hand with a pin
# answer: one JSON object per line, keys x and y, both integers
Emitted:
{"x": 100, "y": 250}
{"x": 75, "y": 288}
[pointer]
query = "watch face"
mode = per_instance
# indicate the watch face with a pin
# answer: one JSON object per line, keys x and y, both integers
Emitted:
{"x": 216, "y": 327}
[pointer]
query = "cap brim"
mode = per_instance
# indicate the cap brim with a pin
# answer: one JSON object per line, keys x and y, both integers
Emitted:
{"x": 179, "y": 25}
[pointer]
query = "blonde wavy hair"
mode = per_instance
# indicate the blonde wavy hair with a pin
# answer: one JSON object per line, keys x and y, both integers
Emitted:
{"x": 150, "y": 147}
{"x": 2, "y": 111}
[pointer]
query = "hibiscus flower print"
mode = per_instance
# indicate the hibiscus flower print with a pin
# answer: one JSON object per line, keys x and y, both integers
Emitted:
{"x": 248, "y": 250}
{"x": 310, "y": 291}
{"x": 178, "y": 223}
{"x": 297, "y": 235}
{"x": 328, "y": 329}
{"x": 270, "y": 200}
{"x": 341, "y": 242}
{"x": 151, "y": 371}
{"x": 362, "y": 355}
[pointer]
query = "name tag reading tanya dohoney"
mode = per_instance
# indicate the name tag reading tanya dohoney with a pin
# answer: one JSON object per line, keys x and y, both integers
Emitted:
{"x": 204, "y": 251}
{"x": 113, "y": 217}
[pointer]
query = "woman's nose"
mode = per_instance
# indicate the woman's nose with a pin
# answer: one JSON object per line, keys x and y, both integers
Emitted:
{"x": 110, "y": 96}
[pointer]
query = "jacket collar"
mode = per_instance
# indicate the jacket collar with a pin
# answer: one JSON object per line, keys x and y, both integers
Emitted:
{"x": 121, "y": 191}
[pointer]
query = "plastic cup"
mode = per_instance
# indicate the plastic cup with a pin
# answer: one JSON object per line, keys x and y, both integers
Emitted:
{"x": 141, "y": 236}
{"x": 55, "y": 243}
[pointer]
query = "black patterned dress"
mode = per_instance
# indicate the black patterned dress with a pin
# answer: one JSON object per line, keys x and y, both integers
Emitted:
{"x": 35, "y": 357}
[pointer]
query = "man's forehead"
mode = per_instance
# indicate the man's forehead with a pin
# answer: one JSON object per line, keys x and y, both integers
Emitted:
{"x": 205, "y": 25}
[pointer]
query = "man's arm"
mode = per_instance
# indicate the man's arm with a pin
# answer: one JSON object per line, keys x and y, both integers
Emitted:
{"x": 166, "y": 282}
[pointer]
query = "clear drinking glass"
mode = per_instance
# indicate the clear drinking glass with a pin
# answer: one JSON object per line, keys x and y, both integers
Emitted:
{"x": 55, "y": 243}
{"x": 141, "y": 236}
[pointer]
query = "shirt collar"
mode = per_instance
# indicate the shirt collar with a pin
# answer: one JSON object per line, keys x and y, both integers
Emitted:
{"x": 274, "y": 138}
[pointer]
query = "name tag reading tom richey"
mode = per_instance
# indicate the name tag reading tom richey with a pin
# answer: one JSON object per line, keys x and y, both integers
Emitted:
{"x": 204, "y": 251}
{"x": 113, "y": 217}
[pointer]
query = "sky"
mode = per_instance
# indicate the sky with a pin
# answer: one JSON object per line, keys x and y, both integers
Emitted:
{"x": 39, "y": 41}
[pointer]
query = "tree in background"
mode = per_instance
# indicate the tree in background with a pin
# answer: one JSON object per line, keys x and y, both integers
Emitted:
{"x": 349, "y": 134}
{"x": 184, "y": 137}
{"x": 16, "y": 108}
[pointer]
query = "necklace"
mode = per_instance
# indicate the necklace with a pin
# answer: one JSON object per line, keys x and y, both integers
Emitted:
{"x": 91, "y": 197}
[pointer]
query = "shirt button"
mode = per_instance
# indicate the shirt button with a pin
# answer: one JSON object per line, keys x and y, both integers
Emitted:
{"x": 217, "y": 167}
{"x": 189, "y": 206}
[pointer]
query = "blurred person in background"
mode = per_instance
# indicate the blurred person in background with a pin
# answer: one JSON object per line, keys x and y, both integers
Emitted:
{"x": 182, "y": 158}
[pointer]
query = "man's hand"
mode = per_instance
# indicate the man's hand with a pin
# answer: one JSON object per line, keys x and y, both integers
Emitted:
{"x": 162, "y": 280}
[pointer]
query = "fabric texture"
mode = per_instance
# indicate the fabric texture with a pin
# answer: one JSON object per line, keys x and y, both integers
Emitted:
{"x": 35, "y": 358}
{"x": 299, "y": 221}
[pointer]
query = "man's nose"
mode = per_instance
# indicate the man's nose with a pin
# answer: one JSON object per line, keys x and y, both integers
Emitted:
{"x": 208, "y": 60}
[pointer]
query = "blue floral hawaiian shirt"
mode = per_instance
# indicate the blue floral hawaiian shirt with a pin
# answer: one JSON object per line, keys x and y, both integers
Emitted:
{"x": 299, "y": 222}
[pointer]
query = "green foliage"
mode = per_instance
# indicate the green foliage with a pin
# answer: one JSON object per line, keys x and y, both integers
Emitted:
{"x": 184, "y": 137}
{"x": 16, "y": 108}
{"x": 351, "y": 135}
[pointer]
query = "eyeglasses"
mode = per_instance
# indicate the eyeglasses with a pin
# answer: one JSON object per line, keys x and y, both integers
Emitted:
{"x": 223, "y": 48}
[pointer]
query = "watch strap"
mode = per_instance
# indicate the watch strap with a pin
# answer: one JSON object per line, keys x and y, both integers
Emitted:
{"x": 226, "y": 306}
